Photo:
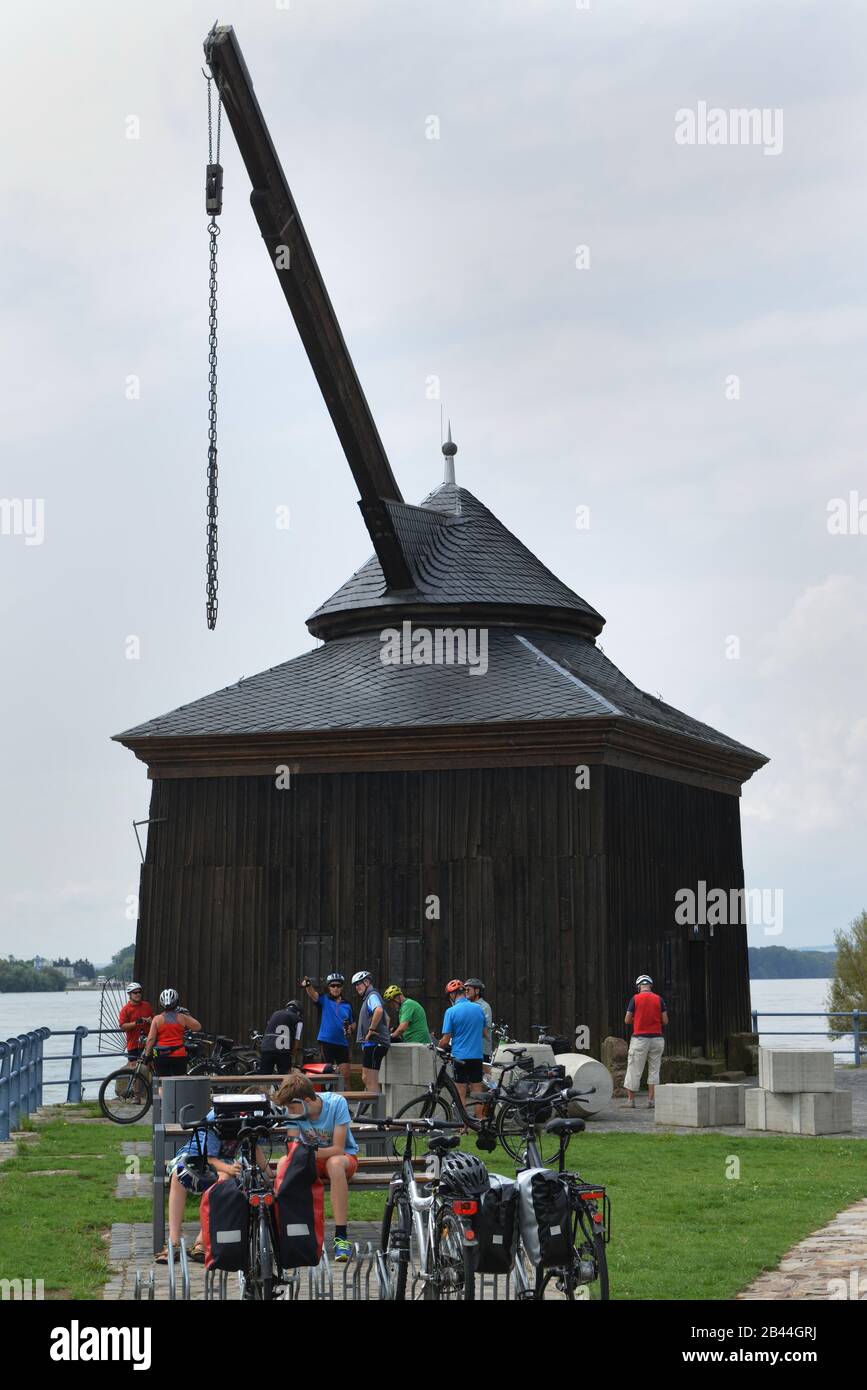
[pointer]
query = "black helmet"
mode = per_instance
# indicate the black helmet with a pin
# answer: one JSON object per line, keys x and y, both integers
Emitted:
{"x": 294, "y": 1005}
{"x": 475, "y": 983}
{"x": 463, "y": 1175}
{"x": 335, "y": 978}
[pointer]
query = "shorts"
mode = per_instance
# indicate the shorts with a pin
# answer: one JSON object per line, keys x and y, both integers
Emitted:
{"x": 193, "y": 1179}
{"x": 270, "y": 1062}
{"x": 170, "y": 1066}
{"x": 334, "y": 1053}
{"x": 351, "y": 1159}
{"x": 372, "y": 1055}
{"x": 468, "y": 1069}
{"x": 641, "y": 1050}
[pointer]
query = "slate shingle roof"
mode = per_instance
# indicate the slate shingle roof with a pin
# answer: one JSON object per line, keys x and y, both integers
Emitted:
{"x": 458, "y": 553}
{"x": 532, "y": 676}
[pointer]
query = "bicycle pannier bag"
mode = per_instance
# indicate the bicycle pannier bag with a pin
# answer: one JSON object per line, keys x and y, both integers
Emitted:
{"x": 545, "y": 1217}
{"x": 225, "y": 1217}
{"x": 300, "y": 1202}
{"x": 496, "y": 1226}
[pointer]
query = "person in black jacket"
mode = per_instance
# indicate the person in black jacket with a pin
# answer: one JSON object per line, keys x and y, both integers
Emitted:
{"x": 281, "y": 1045}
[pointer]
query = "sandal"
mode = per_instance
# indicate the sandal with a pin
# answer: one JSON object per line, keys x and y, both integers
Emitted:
{"x": 197, "y": 1254}
{"x": 163, "y": 1257}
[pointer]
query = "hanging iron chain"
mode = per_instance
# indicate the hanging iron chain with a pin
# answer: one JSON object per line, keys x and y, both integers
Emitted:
{"x": 213, "y": 205}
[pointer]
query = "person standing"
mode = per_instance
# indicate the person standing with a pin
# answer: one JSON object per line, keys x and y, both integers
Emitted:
{"x": 281, "y": 1041}
{"x": 166, "y": 1038}
{"x": 374, "y": 1034}
{"x": 412, "y": 1024}
{"x": 475, "y": 989}
{"x": 647, "y": 1014}
{"x": 134, "y": 1021}
{"x": 335, "y": 1022}
{"x": 463, "y": 1027}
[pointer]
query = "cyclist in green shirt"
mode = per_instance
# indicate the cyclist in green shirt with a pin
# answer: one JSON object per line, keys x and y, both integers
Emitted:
{"x": 412, "y": 1025}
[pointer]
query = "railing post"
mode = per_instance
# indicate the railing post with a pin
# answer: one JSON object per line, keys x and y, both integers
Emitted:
{"x": 755, "y": 1017}
{"x": 856, "y": 1029}
{"x": 27, "y": 1080}
{"x": 40, "y": 1059}
{"x": 73, "y": 1090}
{"x": 5, "y": 1069}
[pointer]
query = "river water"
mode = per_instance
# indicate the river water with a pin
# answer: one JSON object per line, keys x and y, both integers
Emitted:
{"x": 20, "y": 1012}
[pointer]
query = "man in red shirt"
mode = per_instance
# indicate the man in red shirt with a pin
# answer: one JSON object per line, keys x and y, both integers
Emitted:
{"x": 134, "y": 1019}
{"x": 647, "y": 1014}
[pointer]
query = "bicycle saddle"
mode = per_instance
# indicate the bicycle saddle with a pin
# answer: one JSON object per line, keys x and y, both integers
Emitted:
{"x": 441, "y": 1143}
{"x": 564, "y": 1126}
{"x": 224, "y": 1042}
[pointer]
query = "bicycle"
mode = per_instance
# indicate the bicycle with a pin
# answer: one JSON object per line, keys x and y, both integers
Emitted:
{"x": 126, "y": 1095}
{"x": 589, "y": 1213}
{"x": 261, "y": 1273}
{"x": 441, "y": 1100}
{"x": 440, "y": 1224}
{"x": 225, "y": 1058}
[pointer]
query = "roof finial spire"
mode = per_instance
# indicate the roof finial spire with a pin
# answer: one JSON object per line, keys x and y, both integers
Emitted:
{"x": 449, "y": 451}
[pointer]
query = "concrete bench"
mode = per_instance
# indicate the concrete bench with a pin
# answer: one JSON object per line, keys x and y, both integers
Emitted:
{"x": 808, "y": 1112}
{"x": 700, "y": 1104}
{"x": 786, "y": 1070}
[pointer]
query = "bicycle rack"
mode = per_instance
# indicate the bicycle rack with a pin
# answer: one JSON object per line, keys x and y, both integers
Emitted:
{"x": 216, "y": 1285}
{"x": 148, "y": 1285}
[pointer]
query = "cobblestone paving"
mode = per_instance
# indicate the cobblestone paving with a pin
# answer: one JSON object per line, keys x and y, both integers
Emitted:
{"x": 831, "y": 1263}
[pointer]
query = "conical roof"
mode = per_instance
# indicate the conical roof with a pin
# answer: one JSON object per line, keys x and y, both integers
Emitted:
{"x": 466, "y": 565}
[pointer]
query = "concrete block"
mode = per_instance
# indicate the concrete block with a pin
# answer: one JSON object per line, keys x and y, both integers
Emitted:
{"x": 700, "y": 1105}
{"x": 806, "y": 1112}
{"x": 399, "y": 1094}
{"x": 788, "y": 1070}
{"x": 407, "y": 1063}
{"x": 541, "y": 1053}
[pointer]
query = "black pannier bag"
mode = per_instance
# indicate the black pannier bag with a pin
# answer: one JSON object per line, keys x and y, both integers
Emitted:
{"x": 225, "y": 1216}
{"x": 300, "y": 1202}
{"x": 545, "y": 1215}
{"x": 496, "y": 1226}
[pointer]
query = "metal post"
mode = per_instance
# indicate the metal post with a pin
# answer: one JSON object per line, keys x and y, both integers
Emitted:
{"x": 856, "y": 1029}
{"x": 43, "y": 1034}
{"x": 5, "y": 1069}
{"x": 159, "y": 1188}
{"x": 73, "y": 1090}
{"x": 755, "y": 1017}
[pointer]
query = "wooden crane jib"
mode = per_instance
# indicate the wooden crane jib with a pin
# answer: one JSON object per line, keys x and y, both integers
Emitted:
{"x": 305, "y": 293}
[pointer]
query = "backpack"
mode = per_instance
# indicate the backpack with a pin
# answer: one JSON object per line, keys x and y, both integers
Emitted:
{"x": 299, "y": 1204}
{"x": 496, "y": 1226}
{"x": 225, "y": 1217}
{"x": 545, "y": 1214}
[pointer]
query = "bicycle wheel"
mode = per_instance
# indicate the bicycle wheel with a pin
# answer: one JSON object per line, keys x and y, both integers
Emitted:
{"x": 598, "y": 1290}
{"x": 260, "y": 1284}
{"x": 512, "y": 1133}
{"x": 451, "y": 1264}
{"x": 395, "y": 1240}
{"x": 125, "y": 1097}
{"x": 424, "y": 1107}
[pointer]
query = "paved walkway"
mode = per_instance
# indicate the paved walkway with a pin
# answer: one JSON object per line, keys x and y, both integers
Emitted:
{"x": 830, "y": 1264}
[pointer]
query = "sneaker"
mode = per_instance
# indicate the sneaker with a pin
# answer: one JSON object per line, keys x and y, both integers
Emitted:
{"x": 651, "y": 1105}
{"x": 629, "y": 1105}
{"x": 342, "y": 1251}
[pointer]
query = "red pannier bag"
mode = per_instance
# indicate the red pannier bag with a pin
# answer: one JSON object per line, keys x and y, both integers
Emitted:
{"x": 225, "y": 1217}
{"x": 318, "y": 1069}
{"x": 299, "y": 1201}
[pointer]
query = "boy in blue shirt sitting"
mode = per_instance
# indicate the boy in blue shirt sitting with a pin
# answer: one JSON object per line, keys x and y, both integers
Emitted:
{"x": 327, "y": 1119}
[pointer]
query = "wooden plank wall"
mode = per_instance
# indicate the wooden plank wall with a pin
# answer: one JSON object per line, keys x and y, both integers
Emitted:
{"x": 556, "y": 897}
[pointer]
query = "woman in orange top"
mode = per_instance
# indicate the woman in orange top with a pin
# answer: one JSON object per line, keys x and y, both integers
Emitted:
{"x": 166, "y": 1037}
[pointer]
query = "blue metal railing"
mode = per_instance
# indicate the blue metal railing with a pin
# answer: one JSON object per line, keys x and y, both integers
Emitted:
{"x": 853, "y": 1014}
{"x": 21, "y": 1071}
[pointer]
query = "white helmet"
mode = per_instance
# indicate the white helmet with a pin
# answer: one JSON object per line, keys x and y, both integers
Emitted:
{"x": 169, "y": 998}
{"x": 643, "y": 980}
{"x": 361, "y": 975}
{"x": 133, "y": 986}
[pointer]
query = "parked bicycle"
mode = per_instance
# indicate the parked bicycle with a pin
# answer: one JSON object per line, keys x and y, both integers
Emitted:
{"x": 436, "y": 1223}
{"x": 583, "y": 1268}
{"x": 225, "y": 1057}
{"x": 126, "y": 1095}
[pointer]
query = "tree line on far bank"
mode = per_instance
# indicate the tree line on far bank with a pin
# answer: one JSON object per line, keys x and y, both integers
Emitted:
{"x": 781, "y": 963}
{"x": 22, "y": 976}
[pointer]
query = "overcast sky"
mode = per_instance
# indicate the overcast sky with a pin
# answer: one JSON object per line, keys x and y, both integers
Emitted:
{"x": 607, "y": 386}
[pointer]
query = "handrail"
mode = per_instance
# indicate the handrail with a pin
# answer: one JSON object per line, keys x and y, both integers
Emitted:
{"x": 854, "y": 1014}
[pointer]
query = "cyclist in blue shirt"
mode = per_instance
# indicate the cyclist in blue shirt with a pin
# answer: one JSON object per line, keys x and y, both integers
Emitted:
{"x": 463, "y": 1028}
{"x": 335, "y": 1022}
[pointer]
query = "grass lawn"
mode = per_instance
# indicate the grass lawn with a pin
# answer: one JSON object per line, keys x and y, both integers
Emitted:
{"x": 680, "y": 1227}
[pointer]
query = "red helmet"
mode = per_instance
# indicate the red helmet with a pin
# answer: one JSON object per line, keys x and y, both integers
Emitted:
{"x": 453, "y": 986}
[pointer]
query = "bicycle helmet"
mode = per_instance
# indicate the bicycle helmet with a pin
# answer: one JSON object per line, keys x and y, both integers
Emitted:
{"x": 475, "y": 983}
{"x": 463, "y": 1175}
{"x": 392, "y": 992}
{"x": 643, "y": 980}
{"x": 453, "y": 986}
{"x": 169, "y": 998}
{"x": 133, "y": 986}
{"x": 335, "y": 978}
{"x": 361, "y": 975}
{"x": 293, "y": 1004}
